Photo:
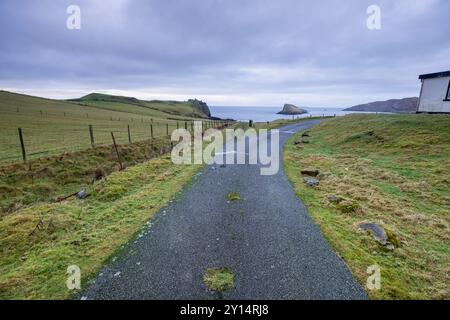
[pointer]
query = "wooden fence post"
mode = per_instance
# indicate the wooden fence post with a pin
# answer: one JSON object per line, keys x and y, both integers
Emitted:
{"x": 167, "y": 129}
{"x": 91, "y": 134}
{"x": 129, "y": 134}
{"x": 22, "y": 145}
{"x": 185, "y": 125}
{"x": 117, "y": 151}
{"x": 178, "y": 125}
{"x": 151, "y": 130}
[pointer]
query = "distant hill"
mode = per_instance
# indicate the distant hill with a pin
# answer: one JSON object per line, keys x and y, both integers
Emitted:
{"x": 191, "y": 108}
{"x": 405, "y": 105}
{"x": 106, "y": 97}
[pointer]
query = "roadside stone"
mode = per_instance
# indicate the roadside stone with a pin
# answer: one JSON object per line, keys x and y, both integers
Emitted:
{"x": 297, "y": 142}
{"x": 82, "y": 194}
{"x": 310, "y": 172}
{"x": 334, "y": 199}
{"x": 378, "y": 234}
{"x": 305, "y": 134}
{"x": 311, "y": 182}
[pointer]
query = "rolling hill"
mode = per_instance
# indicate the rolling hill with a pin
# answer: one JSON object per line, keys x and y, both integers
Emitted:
{"x": 55, "y": 126}
{"x": 192, "y": 108}
{"x": 405, "y": 105}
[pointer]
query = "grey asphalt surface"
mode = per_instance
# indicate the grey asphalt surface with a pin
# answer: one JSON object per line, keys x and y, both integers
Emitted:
{"x": 267, "y": 239}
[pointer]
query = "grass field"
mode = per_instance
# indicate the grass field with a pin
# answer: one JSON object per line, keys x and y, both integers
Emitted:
{"x": 52, "y": 126}
{"x": 393, "y": 170}
{"x": 159, "y": 109}
{"x": 390, "y": 169}
{"x": 40, "y": 241}
{"x": 41, "y": 236}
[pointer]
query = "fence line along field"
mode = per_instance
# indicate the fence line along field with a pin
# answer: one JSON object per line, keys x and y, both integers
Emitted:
{"x": 52, "y": 127}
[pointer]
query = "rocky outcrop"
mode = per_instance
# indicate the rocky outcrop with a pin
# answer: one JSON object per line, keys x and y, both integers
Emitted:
{"x": 405, "y": 105}
{"x": 200, "y": 106}
{"x": 290, "y": 109}
{"x": 378, "y": 233}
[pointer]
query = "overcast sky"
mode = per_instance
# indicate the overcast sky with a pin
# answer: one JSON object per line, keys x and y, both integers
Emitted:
{"x": 226, "y": 52}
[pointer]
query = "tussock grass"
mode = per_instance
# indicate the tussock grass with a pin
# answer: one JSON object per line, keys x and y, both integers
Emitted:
{"x": 40, "y": 241}
{"x": 48, "y": 178}
{"x": 389, "y": 169}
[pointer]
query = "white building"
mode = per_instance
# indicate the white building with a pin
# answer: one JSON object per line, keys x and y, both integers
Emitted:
{"x": 435, "y": 93}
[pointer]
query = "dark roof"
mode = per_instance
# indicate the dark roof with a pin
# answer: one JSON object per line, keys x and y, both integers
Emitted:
{"x": 435, "y": 75}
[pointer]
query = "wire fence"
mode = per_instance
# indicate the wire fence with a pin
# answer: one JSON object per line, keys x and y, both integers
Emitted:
{"x": 32, "y": 141}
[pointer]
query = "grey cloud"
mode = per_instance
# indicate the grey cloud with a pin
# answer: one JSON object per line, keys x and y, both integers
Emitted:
{"x": 259, "y": 52}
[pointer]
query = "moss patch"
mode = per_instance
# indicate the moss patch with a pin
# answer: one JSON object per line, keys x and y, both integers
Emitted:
{"x": 233, "y": 196}
{"x": 219, "y": 279}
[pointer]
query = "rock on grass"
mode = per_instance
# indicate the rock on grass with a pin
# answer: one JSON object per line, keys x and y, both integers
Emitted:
{"x": 310, "y": 172}
{"x": 378, "y": 234}
{"x": 311, "y": 182}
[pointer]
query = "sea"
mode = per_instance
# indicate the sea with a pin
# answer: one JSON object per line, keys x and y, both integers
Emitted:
{"x": 261, "y": 114}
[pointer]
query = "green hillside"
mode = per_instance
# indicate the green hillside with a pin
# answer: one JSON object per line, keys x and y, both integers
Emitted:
{"x": 155, "y": 108}
{"x": 393, "y": 170}
{"x": 56, "y": 126}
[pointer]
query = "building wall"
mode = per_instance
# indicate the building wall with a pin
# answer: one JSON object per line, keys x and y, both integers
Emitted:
{"x": 433, "y": 94}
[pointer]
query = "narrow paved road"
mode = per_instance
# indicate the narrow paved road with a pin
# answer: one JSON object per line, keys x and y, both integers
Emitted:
{"x": 267, "y": 239}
